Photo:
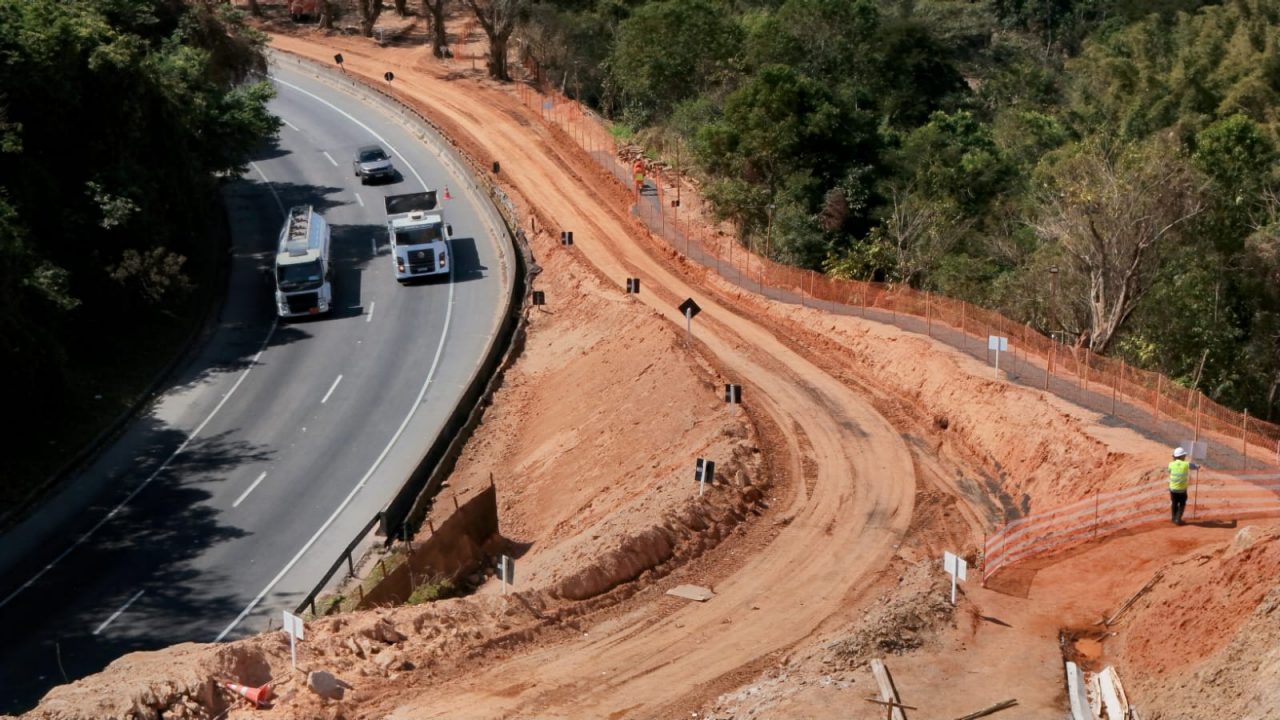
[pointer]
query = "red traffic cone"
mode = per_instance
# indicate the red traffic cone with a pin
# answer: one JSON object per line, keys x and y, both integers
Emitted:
{"x": 447, "y": 196}
{"x": 257, "y": 696}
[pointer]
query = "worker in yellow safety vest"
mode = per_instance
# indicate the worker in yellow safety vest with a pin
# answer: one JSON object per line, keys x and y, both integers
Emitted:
{"x": 1179, "y": 473}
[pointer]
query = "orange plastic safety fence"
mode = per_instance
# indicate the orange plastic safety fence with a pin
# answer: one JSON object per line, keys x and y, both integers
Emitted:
{"x": 1086, "y": 371}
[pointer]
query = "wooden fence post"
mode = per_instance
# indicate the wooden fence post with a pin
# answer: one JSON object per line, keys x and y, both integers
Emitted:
{"x": 928, "y": 315}
{"x": 1155, "y": 409}
{"x": 1244, "y": 438}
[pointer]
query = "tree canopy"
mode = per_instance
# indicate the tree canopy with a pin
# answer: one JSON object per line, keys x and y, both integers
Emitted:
{"x": 116, "y": 117}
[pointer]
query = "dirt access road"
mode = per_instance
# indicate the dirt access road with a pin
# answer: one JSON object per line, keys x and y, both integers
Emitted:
{"x": 859, "y": 476}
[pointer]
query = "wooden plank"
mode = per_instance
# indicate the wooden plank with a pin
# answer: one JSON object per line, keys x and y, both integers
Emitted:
{"x": 1003, "y": 705}
{"x": 1075, "y": 693}
{"x": 1111, "y": 695}
{"x": 691, "y": 592}
{"x": 887, "y": 690}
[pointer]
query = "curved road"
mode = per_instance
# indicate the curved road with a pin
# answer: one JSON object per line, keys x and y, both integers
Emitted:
{"x": 228, "y": 499}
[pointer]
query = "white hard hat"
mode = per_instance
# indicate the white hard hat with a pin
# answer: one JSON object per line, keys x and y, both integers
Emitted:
{"x": 1179, "y": 452}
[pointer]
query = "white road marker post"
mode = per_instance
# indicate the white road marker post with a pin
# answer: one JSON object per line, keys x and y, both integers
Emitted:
{"x": 506, "y": 571}
{"x": 704, "y": 471}
{"x": 955, "y": 567}
{"x": 293, "y": 625}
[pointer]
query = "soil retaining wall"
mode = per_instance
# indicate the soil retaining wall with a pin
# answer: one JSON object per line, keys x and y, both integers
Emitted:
{"x": 450, "y": 551}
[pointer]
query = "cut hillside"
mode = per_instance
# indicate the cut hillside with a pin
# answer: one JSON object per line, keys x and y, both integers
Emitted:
{"x": 862, "y": 452}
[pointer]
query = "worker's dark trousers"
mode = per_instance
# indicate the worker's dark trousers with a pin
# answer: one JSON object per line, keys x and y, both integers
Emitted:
{"x": 1179, "y": 502}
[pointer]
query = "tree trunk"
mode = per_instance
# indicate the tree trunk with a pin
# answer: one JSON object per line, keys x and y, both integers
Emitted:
{"x": 498, "y": 58}
{"x": 433, "y": 10}
{"x": 327, "y": 14}
{"x": 254, "y": 8}
{"x": 369, "y": 12}
{"x": 498, "y": 18}
{"x": 401, "y": 10}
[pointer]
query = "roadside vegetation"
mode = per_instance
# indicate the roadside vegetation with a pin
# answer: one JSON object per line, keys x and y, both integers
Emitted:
{"x": 117, "y": 117}
{"x": 969, "y": 148}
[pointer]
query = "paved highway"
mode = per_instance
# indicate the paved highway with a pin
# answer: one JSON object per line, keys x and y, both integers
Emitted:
{"x": 228, "y": 499}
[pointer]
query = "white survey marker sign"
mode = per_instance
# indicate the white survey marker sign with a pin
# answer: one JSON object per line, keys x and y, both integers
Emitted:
{"x": 999, "y": 344}
{"x": 955, "y": 567}
{"x": 292, "y": 624}
{"x": 1199, "y": 449}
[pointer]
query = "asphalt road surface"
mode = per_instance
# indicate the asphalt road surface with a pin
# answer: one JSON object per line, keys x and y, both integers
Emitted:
{"x": 226, "y": 501}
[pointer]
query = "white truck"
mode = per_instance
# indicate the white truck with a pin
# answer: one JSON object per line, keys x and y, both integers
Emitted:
{"x": 419, "y": 235}
{"x": 303, "y": 268}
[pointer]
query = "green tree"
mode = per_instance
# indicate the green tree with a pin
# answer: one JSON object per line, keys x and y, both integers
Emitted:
{"x": 669, "y": 51}
{"x": 1114, "y": 213}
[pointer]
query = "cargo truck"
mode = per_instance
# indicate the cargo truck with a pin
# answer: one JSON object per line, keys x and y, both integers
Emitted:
{"x": 303, "y": 268}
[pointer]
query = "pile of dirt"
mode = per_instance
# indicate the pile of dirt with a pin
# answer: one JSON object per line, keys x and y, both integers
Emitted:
{"x": 1205, "y": 641}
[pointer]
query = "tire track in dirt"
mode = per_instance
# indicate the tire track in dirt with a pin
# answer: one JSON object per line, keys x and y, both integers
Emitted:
{"x": 842, "y": 531}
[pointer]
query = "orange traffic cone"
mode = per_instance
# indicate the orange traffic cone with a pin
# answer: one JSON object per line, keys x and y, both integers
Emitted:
{"x": 257, "y": 696}
{"x": 447, "y": 196}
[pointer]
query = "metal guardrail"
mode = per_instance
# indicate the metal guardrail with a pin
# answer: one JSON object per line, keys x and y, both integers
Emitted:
{"x": 310, "y": 600}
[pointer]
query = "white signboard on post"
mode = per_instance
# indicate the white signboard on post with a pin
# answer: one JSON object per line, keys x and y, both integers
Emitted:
{"x": 1198, "y": 449}
{"x": 999, "y": 344}
{"x": 293, "y": 626}
{"x": 955, "y": 567}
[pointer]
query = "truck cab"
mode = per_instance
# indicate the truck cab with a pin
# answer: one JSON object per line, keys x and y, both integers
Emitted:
{"x": 419, "y": 236}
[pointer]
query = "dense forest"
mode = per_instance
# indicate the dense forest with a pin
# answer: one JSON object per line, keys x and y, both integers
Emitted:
{"x": 968, "y": 148}
{"x": 116, "y": 119}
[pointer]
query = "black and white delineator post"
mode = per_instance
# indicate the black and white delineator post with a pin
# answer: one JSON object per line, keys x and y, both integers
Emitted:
{"x": 293, "y": 626}
{"x": 704, "y": 472}
{"x": 633, "y": 286}
{"x": 566, "y": 237}
{"x": 506, "y": 571}
{"x": 689, "y": 308}
{"x": 733, "y": 394}
{"x": 955, "y": 567}
{"x": 999, "y": 344}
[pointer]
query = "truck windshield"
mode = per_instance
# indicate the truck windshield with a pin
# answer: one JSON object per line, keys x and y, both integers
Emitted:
{"x": 302, "y": 276}
{"x": 419, "y": 236}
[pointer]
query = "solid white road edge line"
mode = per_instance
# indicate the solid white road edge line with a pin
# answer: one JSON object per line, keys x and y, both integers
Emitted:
{"x": 88, "y": 534}
{"x": 359, "y": 199}
{"x": 435, "y": 363}
{"x": 116, "y": 614}
{"x": 291, "y": 125}
{"x": 245, "y": 494}
{"x": 330, "y": 158}
{"x": 332, "y": 387}
{"x": 369, "y": 316}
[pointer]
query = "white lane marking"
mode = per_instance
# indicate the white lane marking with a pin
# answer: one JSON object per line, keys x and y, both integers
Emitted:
{"x": 431, "y": 373}
{"x": 270, "y": 187}
{"x": 291, "y": 125}
{"x": 117, "y": 613}
{"x": 359, "y": 199}
{"x": 330, "y": 157}
{"x": 332, "y": 387}
{"x": 245, "y": 494}
{"x": 89, "y": 533}
{"x": 369, "y": 316}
